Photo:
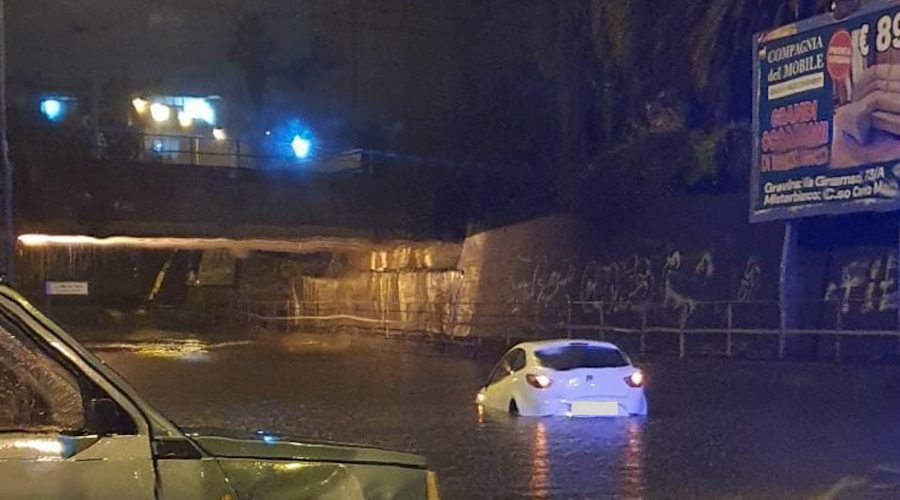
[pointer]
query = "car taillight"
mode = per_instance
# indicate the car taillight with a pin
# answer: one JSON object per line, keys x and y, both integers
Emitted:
{"x": 636, "y": 379}
{"x": 538, "y": 381}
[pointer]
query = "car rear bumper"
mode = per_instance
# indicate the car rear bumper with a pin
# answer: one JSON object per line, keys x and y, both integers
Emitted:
{"x": 633, "y": 403}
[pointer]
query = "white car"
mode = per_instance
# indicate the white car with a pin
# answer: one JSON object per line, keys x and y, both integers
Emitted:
{"x": 567, "y": 377}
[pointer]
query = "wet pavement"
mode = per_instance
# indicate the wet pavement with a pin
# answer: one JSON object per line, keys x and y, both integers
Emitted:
{"x": 717, "y": 428}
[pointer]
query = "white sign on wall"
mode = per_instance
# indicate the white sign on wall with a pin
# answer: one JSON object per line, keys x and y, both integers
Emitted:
{"x": 66, "y": 288}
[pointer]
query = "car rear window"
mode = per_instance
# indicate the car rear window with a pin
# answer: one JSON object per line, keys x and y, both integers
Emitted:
{"x": 572, "y": 357}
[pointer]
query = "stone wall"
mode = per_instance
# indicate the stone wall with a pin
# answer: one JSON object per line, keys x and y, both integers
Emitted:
{"x": 681, "y": 259}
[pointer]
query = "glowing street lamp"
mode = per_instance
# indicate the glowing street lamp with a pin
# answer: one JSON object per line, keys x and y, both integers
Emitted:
{"x": 219, "y": 134}
{"x": 140, "y": 105}
{"x": 184, "y": 119}
{"x": 160, "y": 112}
{"x": 301, "y": 146}
{"x": 52, "y": 109}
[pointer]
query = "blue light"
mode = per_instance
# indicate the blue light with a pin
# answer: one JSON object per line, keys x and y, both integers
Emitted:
{"x": 301, "y": 146}
{"x": 52, "y": 109}
{"x": 266, "y": 437}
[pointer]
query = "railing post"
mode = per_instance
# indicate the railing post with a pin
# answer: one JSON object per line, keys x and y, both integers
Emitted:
{"x": 782, "y": 325}
{"x": 729, "y": 325}
{"x": 838, "y": 325}
{"x": 195, "y": 150}
{"x": 237, "y": 153}
{"x": 516, "y": 308}
{"x": 643, "y": 333}
{"x": 142, "y": 150}
{"x": 602, "y": 321}
{"x": 682, "y": 324}
{"x": 384, "y": 323}
{"x": 569, "y": 317}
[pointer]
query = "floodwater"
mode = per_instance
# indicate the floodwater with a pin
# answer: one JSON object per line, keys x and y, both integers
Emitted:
{"x": 717, "y": 428}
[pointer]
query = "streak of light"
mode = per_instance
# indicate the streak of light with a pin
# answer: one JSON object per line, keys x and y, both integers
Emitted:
{"x": 306, "y": 245}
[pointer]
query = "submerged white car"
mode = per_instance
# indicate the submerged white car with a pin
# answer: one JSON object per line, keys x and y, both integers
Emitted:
{"x": 575, "y": 378}
{"x": 72, "y": 428}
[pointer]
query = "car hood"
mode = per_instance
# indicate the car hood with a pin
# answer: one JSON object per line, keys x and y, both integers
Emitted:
{"x": 275, "y": 467}
{"x": 230, "y": 444}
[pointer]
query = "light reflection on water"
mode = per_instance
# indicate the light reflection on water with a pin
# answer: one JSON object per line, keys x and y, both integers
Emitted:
{"x": 601, "y": 457}
{"x": 191, "y": 350}
{"x": 188, "y": 350}
{"x": 540, "y": 465}
{"x": 632, "y": 469}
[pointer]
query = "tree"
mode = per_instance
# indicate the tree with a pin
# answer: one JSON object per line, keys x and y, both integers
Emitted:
{"x": 250, "y": 50}
{"x": 325, "y": 55}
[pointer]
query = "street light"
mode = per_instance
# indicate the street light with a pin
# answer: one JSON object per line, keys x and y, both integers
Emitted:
{"x": 52, "y": 109}
{"x": 185, "y": 119}
{"x": 140, "y": 105}
{"x": 301, "y": 146}
{"x": 160, "y": 112}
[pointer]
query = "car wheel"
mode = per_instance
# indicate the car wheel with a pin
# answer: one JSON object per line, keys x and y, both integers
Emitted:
{"x": 513, "y": 407}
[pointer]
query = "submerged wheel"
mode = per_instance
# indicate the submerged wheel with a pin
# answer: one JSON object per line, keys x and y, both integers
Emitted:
{"x": 513, "y": 407}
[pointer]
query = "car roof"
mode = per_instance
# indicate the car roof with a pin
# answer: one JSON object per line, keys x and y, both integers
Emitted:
{"x": 545, "y": 344}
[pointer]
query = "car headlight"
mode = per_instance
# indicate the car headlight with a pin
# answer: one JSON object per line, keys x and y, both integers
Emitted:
{"x": 431, "y": 485}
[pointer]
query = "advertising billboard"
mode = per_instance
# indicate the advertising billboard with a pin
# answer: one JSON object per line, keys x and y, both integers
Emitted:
{"x": 826, "y": 117}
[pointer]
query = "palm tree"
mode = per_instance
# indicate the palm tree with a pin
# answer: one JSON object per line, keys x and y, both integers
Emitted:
{"x": 720, "y": 50}
{"x": 696, "y": 52}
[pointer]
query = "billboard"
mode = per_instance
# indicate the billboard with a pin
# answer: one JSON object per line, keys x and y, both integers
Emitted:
{"x": 826, "y": 116}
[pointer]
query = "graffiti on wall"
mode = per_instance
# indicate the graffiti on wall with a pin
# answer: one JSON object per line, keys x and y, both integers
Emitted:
{"x": 545, "y": 285}
{"x": 676, "y": 280}
{"x": 865, "y": 284}
{"x": 750, "y": 281}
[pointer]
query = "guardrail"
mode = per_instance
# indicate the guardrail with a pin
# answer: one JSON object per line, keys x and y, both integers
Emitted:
{"x": 724, "y": 320}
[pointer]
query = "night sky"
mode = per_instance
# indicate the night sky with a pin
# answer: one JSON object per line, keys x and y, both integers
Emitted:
{"x": 406, "y": 67}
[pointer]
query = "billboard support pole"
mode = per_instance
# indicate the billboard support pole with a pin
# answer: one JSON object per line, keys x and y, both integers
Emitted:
{"x": 787, "y": 282}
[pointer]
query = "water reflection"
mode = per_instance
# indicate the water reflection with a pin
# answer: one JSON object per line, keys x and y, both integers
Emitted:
{"x": 692, "y": 447}
{"x": 188, "y": 350}
{"x": 632, "y": 469}
{"x": 191, "y": 350}
{"x": 604, "y": 456}
{"x": 540, "y": 463}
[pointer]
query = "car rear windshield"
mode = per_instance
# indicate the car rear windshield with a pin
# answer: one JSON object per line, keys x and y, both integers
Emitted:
{"x": 572, "y": 357}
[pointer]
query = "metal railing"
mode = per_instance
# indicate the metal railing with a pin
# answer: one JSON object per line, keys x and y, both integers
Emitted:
{"x": 824, "y": 319}
{"x": 723, "y": 322}
{"x": 142, "y": 146}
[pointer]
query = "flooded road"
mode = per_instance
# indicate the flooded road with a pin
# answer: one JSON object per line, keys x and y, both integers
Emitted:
{"x": 717, "y": 429}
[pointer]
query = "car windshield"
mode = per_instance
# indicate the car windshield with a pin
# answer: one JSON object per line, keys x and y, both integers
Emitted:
{"x": 573, "y": 357}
